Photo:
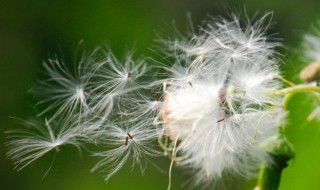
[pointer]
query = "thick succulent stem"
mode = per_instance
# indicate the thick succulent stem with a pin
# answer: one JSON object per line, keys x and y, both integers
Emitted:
{"x": 281, "y": 153}
{"x": 269, "y": 177}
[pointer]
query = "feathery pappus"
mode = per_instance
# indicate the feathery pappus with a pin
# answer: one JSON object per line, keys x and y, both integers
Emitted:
{"x": 211, "y": 107}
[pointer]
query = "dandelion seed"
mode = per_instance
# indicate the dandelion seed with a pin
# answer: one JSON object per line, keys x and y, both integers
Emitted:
{"x": 114, "y": 80}
{"x": 137, "y": 147}
{"x": 65, "y": 91}
{"x": 29, "y": 145}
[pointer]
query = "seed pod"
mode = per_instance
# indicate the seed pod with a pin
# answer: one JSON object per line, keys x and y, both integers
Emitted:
{"x": 311, "y": 72}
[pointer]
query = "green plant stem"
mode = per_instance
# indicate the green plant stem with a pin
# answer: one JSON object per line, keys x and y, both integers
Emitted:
{"x": 279, "y": 148}
{"x": 269, "y": 177}
{"x": 286, "y": 81}
{"x": 281, "y": 153}
{"x": 287, "y": 99}
{"x": 297, "y": 89}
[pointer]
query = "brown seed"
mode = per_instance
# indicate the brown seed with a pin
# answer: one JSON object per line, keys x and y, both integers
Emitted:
{"x": 130, "y": 136}
{"x": 157, "y": 96}
{"x": 220, "y": 120}
{"x": 57, "y": 148}
{"x": 222, "y": 96}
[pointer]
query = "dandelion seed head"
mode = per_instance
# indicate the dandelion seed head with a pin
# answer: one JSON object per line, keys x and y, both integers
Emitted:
{"x": 219, "y": 101}
{"x": 214, "y": 101}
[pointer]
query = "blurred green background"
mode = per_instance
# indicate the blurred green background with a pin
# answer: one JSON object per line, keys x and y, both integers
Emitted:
{"x": 31, "y": 31}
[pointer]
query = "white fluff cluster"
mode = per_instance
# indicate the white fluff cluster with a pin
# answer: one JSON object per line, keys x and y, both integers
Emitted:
{"x": 215, "y": 103}
{"x": 311, "y": 44}
{"x": 219, "y": 100}
{"x": 95, "y": 103}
